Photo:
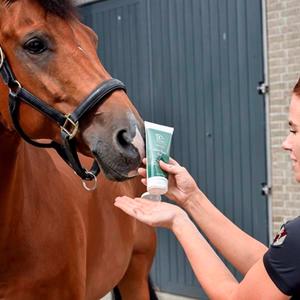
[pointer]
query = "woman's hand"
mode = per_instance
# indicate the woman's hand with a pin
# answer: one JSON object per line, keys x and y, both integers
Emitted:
{"x": 182, "y": 186}
{"x": 150, "y": 212}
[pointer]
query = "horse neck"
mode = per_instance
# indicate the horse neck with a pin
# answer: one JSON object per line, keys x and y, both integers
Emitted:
{"x": 10, "y": 142}
{"x": 10, "y": 145}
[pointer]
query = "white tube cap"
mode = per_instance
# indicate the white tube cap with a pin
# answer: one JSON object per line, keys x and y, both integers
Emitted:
{"x": 157, "y": 185}
{"x": 151, "y": 197}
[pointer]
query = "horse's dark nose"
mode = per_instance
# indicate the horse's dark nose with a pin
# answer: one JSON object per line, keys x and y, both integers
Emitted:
{"x": 130, "y": 143}
{"x": 124, "y": 138}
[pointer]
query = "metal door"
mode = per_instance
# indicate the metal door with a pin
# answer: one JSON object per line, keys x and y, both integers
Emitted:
{"x": 195, "y": 65}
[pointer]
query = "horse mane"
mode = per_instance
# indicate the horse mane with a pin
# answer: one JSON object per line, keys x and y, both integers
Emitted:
{"x": 62, "y": 8}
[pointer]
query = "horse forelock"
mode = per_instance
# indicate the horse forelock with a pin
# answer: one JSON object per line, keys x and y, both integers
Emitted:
{"x": 61, "y": 8}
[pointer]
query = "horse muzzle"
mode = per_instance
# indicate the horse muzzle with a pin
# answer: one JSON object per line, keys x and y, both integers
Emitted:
{"x": 116, "y": 144}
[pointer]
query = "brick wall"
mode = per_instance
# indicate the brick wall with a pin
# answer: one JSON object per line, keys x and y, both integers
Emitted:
{"x": 283, "y": 33}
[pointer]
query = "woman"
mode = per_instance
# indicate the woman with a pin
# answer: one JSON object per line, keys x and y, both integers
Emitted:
{"x": 269, "y": 273}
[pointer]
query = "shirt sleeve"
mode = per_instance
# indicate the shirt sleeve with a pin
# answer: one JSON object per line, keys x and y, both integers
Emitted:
{"x": 282, "y": 260}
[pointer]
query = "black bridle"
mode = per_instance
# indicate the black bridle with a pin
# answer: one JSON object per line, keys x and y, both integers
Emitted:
{"x": 69, "y": 123}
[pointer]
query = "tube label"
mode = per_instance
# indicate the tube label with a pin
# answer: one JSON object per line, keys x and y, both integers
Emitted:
{"x": 158, "y": 144}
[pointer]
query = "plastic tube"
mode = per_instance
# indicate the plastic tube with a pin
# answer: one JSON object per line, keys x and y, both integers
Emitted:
{"x": 158, "y": 144}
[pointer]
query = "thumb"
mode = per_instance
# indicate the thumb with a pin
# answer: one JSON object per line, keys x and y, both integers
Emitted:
{"x": 172, "y": 169}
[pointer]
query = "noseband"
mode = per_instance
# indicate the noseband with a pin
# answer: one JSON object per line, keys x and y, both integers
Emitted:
{"x": 69, "y": 123}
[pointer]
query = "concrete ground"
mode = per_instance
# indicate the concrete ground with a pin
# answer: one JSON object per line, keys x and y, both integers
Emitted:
{"x": 161, "y": 296}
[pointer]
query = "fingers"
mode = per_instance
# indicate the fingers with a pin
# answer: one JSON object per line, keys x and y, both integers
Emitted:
{"x": 173, "y": 168}
{"x": 172, "y": 161}
{"x": 127, "y": 205}
{"x": 142, "y": 172}
{"x": 138, "y": 208}
{"x": 133, "y": 203}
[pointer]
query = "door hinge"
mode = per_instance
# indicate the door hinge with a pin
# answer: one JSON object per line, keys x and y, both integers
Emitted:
{"x": 262, "y": 88}
{"x": 266, "y": 189}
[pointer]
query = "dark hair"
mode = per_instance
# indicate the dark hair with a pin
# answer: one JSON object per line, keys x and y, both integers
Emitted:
{"x": 296, "y": 89}
{"x": 61, "y": 8}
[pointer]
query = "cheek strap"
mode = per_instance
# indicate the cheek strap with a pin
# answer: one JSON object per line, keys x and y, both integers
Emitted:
{"x": 68, "y": 123}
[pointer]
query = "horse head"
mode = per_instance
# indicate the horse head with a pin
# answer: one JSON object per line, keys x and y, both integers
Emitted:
{"x": 53, "y": 56}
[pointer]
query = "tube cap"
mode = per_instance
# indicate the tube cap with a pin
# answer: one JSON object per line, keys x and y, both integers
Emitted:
{"x": 152, "y": 197}
{"x": 157, "y": 185}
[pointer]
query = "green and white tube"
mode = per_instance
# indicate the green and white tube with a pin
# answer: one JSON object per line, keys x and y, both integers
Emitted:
{"x": 158, "y": 144}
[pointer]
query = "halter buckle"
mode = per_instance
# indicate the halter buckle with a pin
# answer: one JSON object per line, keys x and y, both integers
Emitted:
{"x": 70, "y": 127}
{"x": 1, "y": 58}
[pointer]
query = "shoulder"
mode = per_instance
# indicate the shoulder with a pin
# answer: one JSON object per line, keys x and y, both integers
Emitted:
{"x": 282, "y": 260}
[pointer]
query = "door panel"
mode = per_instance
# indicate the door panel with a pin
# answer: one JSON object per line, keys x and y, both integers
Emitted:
{"x": 195, "y": 65}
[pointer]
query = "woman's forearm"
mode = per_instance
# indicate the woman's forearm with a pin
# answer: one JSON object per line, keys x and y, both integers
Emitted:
{"x": 214, "y": 277}
{"x": 239, "y": 248}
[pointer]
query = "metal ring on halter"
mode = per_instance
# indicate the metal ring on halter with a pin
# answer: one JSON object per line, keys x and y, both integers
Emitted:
{"x": 1, "y": 57}
{"x": 17, "y": 90}
{"x": 95, "y": 183}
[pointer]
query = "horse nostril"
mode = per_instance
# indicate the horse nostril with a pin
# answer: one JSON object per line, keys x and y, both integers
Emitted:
{"x": 123, "y": 138}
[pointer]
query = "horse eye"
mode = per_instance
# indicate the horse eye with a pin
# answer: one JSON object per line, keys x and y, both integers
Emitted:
{"x": 35, "y": 46}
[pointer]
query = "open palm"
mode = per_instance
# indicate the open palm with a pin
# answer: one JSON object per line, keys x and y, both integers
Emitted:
{"x": 150, "y": 212}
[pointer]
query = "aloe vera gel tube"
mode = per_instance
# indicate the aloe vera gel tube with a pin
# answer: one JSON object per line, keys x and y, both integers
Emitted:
{"x": 158, "y": 144}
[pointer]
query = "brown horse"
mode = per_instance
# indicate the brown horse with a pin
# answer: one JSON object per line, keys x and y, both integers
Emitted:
{"x": 57, "y": 240}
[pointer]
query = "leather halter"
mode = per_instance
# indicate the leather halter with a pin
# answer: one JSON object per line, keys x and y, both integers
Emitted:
{"x": 69, "y": 123}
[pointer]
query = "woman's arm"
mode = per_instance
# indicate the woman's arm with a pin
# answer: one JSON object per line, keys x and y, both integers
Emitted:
{"x": 212, "y": 274}
{"x": 214, "y": 277}
{"x": 239, "y": 248}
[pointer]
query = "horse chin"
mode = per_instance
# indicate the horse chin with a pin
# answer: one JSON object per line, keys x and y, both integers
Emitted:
{"x": 112, "y": 174}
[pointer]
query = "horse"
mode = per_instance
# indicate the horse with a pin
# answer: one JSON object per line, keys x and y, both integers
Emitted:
{"x": 61, "y": 111}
